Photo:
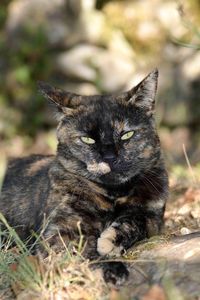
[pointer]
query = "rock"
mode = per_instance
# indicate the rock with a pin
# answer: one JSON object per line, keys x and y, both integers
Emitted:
{"x": 59, "y": 19}
{"x": 97, "y": 29}
{"x": 63, "y": 22}
{"x": 184, "y": 210}
{"x": 169, "y": 17}
{"x": 191, "y": 67}
{"x": 112, "y": 68}
{"x": 173, "y": 264}
{"x": 185, "y": 230}
{"x": 87, "y": 89}
{"x": 76, "y": 62}
{"x": 116, "y": 66}
{"x": 178, "y": 248}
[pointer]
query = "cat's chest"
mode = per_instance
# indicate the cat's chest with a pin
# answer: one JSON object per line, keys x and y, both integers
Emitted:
{"x": 117, "y": 204}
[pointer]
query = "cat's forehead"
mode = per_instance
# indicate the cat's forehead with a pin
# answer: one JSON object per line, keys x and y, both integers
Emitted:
{"x": 104, "y": 113}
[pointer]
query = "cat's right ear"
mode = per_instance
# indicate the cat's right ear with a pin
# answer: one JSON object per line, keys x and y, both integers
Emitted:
{"x": 66, "y": 102}
{"x": 143, "y": 95}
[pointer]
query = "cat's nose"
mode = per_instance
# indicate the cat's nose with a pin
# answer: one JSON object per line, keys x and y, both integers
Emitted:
{"x": 109, "y": 157}
{"x": 108, "y": 153}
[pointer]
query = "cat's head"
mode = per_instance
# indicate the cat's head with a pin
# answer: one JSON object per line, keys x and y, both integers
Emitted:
{"x": 107, "y": 138}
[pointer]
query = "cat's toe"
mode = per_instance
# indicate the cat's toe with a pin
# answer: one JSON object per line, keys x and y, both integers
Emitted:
{"x": 115, "y": 273}
{"x": 106, "y": 243}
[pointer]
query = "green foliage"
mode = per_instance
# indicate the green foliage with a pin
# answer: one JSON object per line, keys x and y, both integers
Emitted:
{"x": 24, "y": 63}
{"x": 27, "y": 273}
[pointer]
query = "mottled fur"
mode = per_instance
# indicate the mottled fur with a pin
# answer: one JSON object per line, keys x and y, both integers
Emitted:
{"x": 116, "y": 189}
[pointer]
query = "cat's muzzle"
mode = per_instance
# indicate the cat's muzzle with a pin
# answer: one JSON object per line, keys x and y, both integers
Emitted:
{"x": 99, "y": 168}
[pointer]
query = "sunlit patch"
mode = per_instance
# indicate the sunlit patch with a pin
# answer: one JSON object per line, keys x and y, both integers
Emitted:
{"x": 87, "y": 140}
{"x": 127, "y": 135}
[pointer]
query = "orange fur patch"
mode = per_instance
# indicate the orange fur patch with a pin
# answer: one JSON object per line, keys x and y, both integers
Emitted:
{"x": 36, "y": 166}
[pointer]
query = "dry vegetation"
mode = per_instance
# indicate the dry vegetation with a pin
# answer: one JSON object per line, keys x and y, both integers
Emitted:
{"x": 66, "y": 275}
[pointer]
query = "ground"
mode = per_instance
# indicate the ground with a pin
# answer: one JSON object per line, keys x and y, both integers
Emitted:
{"x": 163, "y": 268}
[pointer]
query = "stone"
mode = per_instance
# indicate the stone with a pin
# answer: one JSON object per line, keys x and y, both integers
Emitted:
{"x": 191, "y": 67}
{"x": 185, "y": 230}
{"x": 56, "y": 18}
{"x": 76, "y": 62}
{"x": 115, "y": 66}
{"x": 112, "y": 68}
{"x": 173, "y": 264}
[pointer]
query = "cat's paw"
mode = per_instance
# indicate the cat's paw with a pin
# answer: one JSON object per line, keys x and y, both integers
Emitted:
{"x": 115, "y": 273}
{"x": 106, "y": 243}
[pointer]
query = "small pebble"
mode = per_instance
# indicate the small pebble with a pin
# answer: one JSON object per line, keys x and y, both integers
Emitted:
{"x": 185, "y": 230}
{"x": 184, "y": 210}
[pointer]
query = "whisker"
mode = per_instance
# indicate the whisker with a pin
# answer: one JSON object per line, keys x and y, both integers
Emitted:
{"x": 152, "y": 184}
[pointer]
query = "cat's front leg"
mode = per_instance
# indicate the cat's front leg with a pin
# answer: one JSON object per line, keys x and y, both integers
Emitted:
{"x": 128, "y": 229}
{"x": 119, "y": 236}
{"x": 106, "y": 243}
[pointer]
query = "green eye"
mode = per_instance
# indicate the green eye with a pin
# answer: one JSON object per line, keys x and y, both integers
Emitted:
{"x": 127, "y": 135}
{"x": 87, "y": 140}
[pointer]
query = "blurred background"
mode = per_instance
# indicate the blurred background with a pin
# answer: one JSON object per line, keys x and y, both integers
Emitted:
{"x": 101, "y": 46}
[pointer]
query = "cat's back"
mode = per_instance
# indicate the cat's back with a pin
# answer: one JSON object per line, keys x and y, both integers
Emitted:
{"x": 26, "y": 169}
{"x": 25, "y": 189}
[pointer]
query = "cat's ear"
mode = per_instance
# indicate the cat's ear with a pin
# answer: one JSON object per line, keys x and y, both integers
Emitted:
{"x": 66, "y": 102}
{"x": 143, "y": 95}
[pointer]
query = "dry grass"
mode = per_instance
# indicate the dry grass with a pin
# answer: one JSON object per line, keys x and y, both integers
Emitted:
{"x": 66, "y": 275}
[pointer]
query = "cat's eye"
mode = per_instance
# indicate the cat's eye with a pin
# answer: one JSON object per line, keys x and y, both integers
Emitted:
{"x": 87, "y": 140}
{"x": 127, "y": 135}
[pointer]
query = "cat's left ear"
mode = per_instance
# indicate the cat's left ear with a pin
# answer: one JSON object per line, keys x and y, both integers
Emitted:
{"x": 66, "y": 102}
{"x": 143, "y": 95}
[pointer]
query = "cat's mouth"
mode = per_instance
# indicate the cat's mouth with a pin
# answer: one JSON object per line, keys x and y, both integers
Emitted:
{"x": 104, "y": 172}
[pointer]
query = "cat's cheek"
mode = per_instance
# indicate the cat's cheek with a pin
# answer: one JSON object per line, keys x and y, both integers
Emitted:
{"x": 146, "y": 153}
{"x": 106, "y": 243}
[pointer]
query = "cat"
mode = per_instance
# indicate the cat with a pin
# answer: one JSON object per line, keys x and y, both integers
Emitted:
{"x": 108, "y": 175}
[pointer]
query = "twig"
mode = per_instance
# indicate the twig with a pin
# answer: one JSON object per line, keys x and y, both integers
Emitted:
{"x": 189, "y": 165}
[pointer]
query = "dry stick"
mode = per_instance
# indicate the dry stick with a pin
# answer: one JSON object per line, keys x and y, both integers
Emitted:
{"x": 124, "y": 260}
{"x": 189, "y": 165}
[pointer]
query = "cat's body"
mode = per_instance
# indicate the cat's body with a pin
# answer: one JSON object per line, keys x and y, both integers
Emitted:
{"x": 108, "y": 176}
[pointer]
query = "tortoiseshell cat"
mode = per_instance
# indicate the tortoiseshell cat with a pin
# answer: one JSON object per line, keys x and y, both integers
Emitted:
{"x": 108, "y": 174}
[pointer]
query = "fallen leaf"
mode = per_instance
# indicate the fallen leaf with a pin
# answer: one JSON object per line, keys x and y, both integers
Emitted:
{"x": 155, "y": 293}
{"x": 192, "y": 195}
{"x": 114, "y": 295}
